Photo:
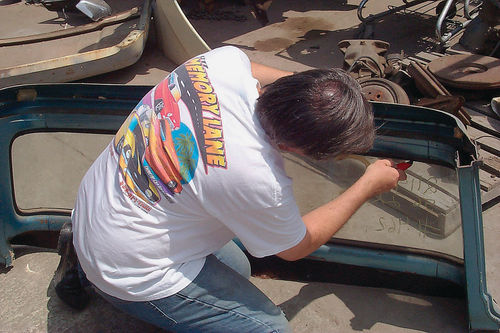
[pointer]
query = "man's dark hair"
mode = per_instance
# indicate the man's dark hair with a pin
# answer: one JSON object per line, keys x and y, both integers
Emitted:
{"x": 321, "y": 112}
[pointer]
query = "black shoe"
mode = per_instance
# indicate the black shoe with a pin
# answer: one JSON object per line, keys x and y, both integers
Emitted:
{"x": 66, "y": 278}
{"x": 71, "y": 292}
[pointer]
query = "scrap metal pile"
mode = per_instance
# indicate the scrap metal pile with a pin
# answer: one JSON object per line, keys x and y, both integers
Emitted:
{"x": 393, "y": 78}
{"x": 455, "y": 84}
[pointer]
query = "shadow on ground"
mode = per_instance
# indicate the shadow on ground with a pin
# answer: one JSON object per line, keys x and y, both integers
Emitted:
{"x": 99, "y": 316}
{"x": 383, "y": 306}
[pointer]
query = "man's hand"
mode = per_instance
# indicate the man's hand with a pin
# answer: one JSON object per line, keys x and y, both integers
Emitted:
{"x": 323, "y": 222}
{"x": 381, "y": 176}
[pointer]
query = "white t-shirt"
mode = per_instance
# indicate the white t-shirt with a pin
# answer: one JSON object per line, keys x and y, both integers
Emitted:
{"x": 189, "y": 170}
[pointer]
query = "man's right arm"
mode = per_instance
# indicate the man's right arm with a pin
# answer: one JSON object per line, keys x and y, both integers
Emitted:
{"x": 266, "y": 75}
{"x": 323, "y": 222}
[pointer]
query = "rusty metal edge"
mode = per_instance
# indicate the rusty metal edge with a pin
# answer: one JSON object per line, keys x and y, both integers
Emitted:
{"x": 118, "y": 18}
{"x": 82, "y": 65}
{"x": 427, "y": 82}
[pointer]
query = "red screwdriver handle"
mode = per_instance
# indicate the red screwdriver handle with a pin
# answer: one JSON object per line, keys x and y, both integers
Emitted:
{"x": 404, "y": 165}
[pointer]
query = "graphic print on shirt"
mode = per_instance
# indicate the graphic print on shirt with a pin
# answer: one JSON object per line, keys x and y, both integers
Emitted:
{"x": 157, "y": 149}
{"x": 131, "y": 147}
{"x": 201, "y": 100}
{"x": 147, "y": 133}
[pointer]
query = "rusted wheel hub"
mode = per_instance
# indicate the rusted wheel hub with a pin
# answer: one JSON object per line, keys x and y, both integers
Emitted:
{"x": 383, "y": 90}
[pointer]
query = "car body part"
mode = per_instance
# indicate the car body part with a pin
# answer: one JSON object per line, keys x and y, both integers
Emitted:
{"x": 364, "y": 57}
{"x": 94, "y": 9}
{"x": 429, "y": 86}
{"x": 495, "y": 105}
{"x": 179, "y": 40}
{"x": 450, "y": 104}
{"x": 404, "y": 132}
{"x": 467, "y": 71}
{"x": 82, "y": 51}
{"x": 73, "y": 31}
{"x": 383, "y": 90}
{"x": 59, "y": 5}
{"x": 394, "y": 63}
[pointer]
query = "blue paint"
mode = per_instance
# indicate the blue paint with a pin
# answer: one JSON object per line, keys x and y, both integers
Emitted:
{"x": 405, "y": 132}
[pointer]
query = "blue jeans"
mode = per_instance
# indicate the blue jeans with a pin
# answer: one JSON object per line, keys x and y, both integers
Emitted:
{"x": 220, "y": 299}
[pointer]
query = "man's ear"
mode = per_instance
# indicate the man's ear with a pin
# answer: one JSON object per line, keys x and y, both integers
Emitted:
{"x": 284, "y": 147}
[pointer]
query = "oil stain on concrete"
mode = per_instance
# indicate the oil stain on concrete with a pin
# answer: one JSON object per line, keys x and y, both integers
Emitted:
{"x": 295, "y": 27}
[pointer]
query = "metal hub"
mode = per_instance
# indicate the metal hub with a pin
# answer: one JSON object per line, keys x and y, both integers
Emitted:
{"x": 383, "y": 90}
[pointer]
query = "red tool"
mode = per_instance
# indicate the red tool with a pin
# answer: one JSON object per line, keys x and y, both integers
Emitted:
{"x": 404, "y": 165}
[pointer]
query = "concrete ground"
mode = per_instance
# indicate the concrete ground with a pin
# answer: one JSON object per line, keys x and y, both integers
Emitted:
{"x": 300, "y": 35}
